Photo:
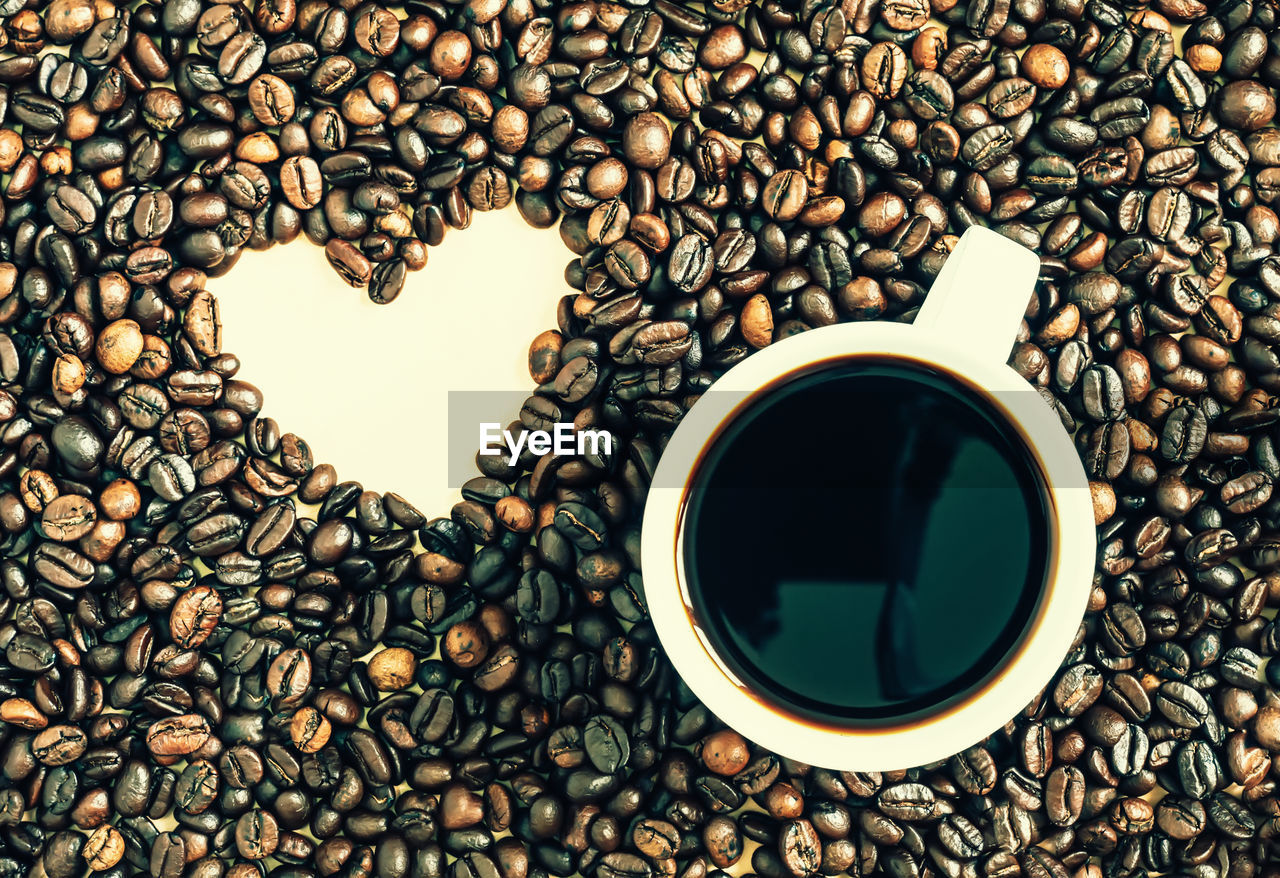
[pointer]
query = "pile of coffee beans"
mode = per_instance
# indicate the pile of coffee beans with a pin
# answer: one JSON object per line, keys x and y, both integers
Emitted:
{"x": 221, "y": 661}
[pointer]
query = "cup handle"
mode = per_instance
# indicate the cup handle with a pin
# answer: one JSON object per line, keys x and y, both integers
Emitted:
{"x": 982, "y": 292}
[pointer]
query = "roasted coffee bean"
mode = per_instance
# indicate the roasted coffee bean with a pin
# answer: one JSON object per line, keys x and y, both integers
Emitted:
{"x": 168, "y": 854}
{"x": 1184, "y": 434}
{"x": 784, "y": 195}
{"x": 257, "y": 835}
{"x": 178, "y": 735}
{"x": 799, "y": 847}
{"x": 59, "y": 745}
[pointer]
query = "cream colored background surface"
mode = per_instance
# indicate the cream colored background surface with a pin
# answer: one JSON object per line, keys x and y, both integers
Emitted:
{"x": 367, "y": 385}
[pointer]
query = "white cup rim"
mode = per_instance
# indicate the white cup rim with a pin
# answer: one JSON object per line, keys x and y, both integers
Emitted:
{"x": 1003, "y": 694}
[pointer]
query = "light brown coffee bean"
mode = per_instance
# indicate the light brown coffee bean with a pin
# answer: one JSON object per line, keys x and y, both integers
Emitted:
{"x": 884, "y": 70}
{"x": 194, "y": 616}
{"x": 120, "y": 500}
{"x": 1046, "y": 65}
{"x": 785, "y": 195}
{"x": 68, "y": 374}
{"x": 59, "y": 745}
{"x": 20, "y": 712}
{"x": 68, "y": 518}
{"x": 309, "y": 730}
{"x": 64, "y": 20}
{"x": 515, "y": 514}
{"x": 757, "y": 321}
{"x": 466, "y": 644}
{"x": 725, "y": 752}
{"x": 178, "y": 735}
{"x": 104, "y": 848}
{"x": 391, "y": 669}
{"x": 119, "y": 346}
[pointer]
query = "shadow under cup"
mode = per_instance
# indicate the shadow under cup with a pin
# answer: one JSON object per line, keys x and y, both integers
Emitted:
{"x": 866, "y": 541}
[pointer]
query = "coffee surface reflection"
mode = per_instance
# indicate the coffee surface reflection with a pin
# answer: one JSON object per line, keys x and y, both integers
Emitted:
{"x": 866, "y": 541}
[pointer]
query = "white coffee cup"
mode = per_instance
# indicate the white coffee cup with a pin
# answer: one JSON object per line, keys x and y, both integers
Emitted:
{"x": 965, "y": 329}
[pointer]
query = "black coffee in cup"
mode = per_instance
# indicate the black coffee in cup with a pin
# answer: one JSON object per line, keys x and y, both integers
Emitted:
{"x": 866, "y": 541}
